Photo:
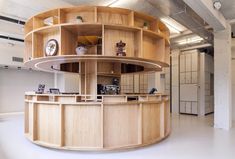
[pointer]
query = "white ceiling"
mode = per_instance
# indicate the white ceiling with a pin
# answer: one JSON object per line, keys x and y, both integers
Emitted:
{"x": 227, "y": 8}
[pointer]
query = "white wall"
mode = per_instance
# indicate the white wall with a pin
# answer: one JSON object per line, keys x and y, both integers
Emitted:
{"x": 14, "y": 83}
{"x": 233, "y": 89}
{"x": 7, "y": 52}
{"x": 233, "y": 79}
{"x": 175, "y": 81}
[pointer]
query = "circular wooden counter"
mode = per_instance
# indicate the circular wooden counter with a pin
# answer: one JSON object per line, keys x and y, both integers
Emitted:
{"x": 76, "y": 122}
{"x": 89, "y": 121}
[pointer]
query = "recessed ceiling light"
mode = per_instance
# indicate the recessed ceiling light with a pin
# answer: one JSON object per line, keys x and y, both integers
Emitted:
{"x": 217, "y": 5}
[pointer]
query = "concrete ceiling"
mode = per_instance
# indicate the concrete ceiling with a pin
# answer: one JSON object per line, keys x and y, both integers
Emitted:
{"x": 228, "y": 8}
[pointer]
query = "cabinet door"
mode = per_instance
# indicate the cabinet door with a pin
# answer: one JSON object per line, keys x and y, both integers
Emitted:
{"x": 188, "y": 108}
{"x": 182, "y": 107}
{"x": 136, "y": 83}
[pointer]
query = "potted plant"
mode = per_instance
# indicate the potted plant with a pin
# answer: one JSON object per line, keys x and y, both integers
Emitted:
{"x": 145, "y": 26}
{"x": 79, "y": 19}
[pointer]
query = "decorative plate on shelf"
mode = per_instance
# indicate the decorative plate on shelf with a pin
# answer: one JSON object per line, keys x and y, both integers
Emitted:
{"x": 51, "y": 47}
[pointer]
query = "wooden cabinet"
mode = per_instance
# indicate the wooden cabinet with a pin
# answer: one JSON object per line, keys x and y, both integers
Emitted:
{"x": 134, "y": 83}
{"x": 75, "y": 122}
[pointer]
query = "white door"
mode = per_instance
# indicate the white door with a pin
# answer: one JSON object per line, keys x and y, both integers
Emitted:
{"x": 189, "y": 72}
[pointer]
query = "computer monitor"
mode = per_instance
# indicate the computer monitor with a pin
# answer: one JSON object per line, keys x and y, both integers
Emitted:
{"x": 54, "y": 90}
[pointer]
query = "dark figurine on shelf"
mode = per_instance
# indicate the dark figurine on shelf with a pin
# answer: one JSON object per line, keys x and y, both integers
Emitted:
{"x": 121, "y": 48}
{"x": 79, "y": 19}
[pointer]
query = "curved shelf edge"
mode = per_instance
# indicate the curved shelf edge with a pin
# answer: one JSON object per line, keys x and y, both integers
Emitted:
{"x": 47, "y": 63}
{"x": 54, "y": 146}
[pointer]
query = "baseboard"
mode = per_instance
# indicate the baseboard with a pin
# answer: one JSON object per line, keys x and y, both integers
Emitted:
{"x": 11, "y": 113}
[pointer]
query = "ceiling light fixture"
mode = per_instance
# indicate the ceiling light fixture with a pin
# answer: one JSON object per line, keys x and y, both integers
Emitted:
{"x": 196, "y": 39}
{"x": 217, "y": 5}
{"x": 173, "y": 26}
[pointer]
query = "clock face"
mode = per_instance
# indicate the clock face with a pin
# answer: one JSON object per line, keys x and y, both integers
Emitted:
{"x": 51, "y": 47}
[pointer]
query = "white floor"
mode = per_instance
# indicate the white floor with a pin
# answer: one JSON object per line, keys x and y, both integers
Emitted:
{"x": 191, "y": 137}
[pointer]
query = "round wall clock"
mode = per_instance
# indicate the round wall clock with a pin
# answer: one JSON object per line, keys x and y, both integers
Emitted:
{"x": 51, "y": 47}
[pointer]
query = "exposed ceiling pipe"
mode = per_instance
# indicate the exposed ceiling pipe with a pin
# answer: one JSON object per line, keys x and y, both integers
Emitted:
{"x": 196, "y": 47}
{"x": 16, "y": 21}
{"x": 11, "y": 38}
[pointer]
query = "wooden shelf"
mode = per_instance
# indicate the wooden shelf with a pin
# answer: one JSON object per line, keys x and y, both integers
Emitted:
{"x": 152, "y": 34}
{"x": 129, "y": 35}
{"x": 140, "y": 19}
{"x": 109, "y": 24}
{"x": 117, "y": 16}
{"x": 41, "y": 37}
{"x": 69, "y": 15}
{"x": 71, "y": 33}
{"x": 28, "y": 26}
{"x": 47, "y": 18}
{"x": 28, "y": 48}
{"x": 153, "y": 46}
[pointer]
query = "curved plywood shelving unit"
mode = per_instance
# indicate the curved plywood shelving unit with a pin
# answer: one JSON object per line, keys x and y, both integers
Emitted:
{"x": 89, "y": 121}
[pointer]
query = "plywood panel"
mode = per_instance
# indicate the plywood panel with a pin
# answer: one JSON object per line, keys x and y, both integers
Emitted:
{"x": 28, "y": 48}
{"x": 151, "y": 122}
{"x": 112, "y": 18}
{"x": 167, "y": 117}
{"x": 87, "y": 16}
{"x": 82, "y": 125}
{"x": 55, "y": 34}
{"x": 91, "y": 77}
{"x": 68, "y": 41}
{"x": 38, "y": 50}
{"x": 64, "y": 99}
{"x": 31, "y": 120}
{"x": 120, "y": 125}
{"x": 26, "y": 118}
{"x": 114, "y": 36}
{"x": 48, "y": 123}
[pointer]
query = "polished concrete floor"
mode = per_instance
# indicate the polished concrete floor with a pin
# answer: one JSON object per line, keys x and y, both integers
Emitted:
{"x": 191, "y": 138}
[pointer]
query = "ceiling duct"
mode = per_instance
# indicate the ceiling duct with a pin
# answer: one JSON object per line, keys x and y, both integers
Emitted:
{"x": 12, "y": 20}
{"x": 183, "y": 14}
